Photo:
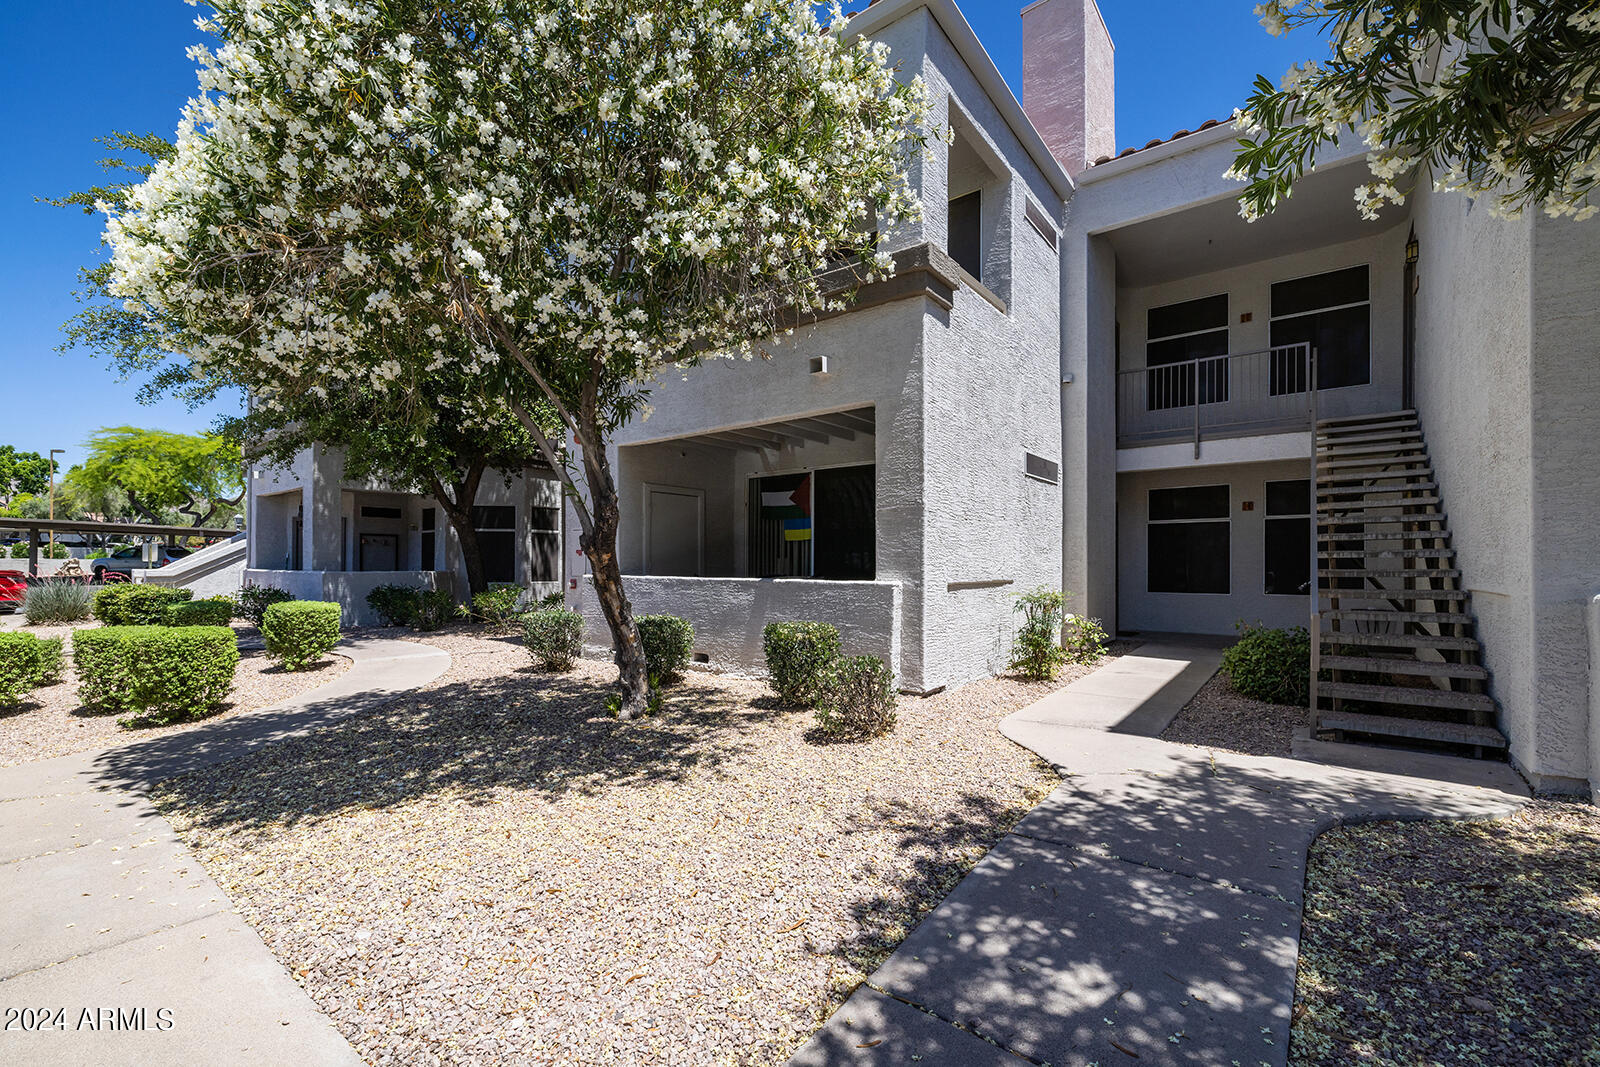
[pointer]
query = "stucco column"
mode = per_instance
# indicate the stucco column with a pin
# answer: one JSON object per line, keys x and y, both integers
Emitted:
{"x": 1089, "y": 426}
{"x": 322, "y": 496}
{"x": 1593, "y": 619}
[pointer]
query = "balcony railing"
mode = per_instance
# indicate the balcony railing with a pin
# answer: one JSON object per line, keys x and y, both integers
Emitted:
{"x": 1219, "y": 396}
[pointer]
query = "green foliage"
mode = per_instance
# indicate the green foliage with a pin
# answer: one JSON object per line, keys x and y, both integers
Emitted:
{"x": 22, "y": 473}
{"x": 497, "y": 608}
{"x": 299, "y": 632}
{"x": 552, "y": 600}
{"x": 131, "y": 604}
{"x": 554, "y": 638}
{"x": 800, "y": 657}
{"x": 1271, "y": 665}
{"x": 396, "y": 605}
{"x": 46, "y": 551}
{"x": 214, "y": 611}
{"x": 667, "y": 640}
{"x": 653, "y": 702}
{"x": 1084, "y": 640}
{"x": 197, "y": 475}
{"x": 1037, "y": 653}
{"x": 155, "y": 673}
{"x": 254, "y": 600}
{"x": 56, "y": 601}
{"x": 859, "y": 700}
{"x": 26, "y": 663}
{"x": 435, "y": 607}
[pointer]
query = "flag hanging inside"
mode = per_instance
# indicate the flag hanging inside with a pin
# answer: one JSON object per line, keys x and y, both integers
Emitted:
{"x": 797, "y": 529}
{"x": 789, "y": 504}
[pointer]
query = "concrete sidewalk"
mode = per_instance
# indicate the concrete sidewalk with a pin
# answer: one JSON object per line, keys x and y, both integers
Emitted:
{"x": 1149, "y": 909}
{"x": 110, "y": 920}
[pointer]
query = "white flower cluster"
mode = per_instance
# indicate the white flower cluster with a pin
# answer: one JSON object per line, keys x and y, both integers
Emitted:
{"x": 575, "y": 189}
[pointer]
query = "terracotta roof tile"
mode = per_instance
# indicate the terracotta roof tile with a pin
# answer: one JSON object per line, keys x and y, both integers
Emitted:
{"x": 1206, "y": 125}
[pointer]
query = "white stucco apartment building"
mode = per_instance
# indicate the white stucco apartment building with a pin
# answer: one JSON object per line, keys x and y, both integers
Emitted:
{"x": 1089, "y": 373}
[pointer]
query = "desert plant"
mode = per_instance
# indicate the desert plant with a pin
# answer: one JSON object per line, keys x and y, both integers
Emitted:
{"x": 131, "y": 604}
{"x": 1084, "y": 640}
{"x": 1271, "y": 665}
{"x": 552, "y": 600}
{"x": 799, "y": 657}
{"x": 434, "y": 608}
{"x": 554, "y": 638}
{"x": 395, "y": 605}
{"x": 254, "y": 600}
{"x": 161, "y": 673}
{"x": 27, "y": 662}
{"x": 668, "y": 641}
{"x": 1037, "y": 653}
{"x": 497, "y": 608}
{"x": 56, "y": 601}
{"x": 858, "y": 701}
{"x": 299, "y": 632}
{"x": 213, "y": 611}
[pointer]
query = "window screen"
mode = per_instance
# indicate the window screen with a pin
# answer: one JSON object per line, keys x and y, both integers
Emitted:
{"x": 497, "y": 542}
{"x": 1177, "y": 335}
{"x": 544, "y": 529}
{"x": 1288, "y": 556}
{"x": 430, "y": 534}
{"x": 1189, "y": 540}
{"x": 1331, "y": 312}
{"x": 966, "y": 233}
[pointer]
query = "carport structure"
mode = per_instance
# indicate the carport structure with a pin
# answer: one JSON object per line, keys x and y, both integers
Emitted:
{"x": 34, "y": 528}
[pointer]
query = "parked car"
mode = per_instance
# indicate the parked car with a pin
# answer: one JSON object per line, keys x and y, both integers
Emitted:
{"x": 13, "y": 587}
{"x": 125, "y": 561}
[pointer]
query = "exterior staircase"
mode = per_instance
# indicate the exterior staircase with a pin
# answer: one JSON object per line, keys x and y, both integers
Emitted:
{"x": 1396, "y": 646}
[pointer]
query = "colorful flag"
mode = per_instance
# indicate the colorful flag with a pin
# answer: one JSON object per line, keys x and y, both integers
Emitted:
{"x": 797, "y": 529}
{"x": 788, "y": 503}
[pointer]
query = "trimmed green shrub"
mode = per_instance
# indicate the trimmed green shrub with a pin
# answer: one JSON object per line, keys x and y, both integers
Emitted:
{"x": 299, "y": 632}
{"x": 1271, "y": 665}
{"x": 1084, "y": 640}
{"x": 160, "y": 673}
{"x": 495, "y": 607}
{"x": 799, "y": 657}
{"x": 1037, "y": 653}
{"x": 214, "y": 611}
{"x": 254, "y": 600}
{"x": 858, "y": 702}
{"x": 667, "y": 641}
{"x": 56, "y": 601}
{"x": 396, "y": 605}
{"x": 20, "y": 551}
{"x": 26, "y": 663}
{"x": 554, "y": 638}
{"x": 435, "y": 607}
{"x": 132, "y": 604}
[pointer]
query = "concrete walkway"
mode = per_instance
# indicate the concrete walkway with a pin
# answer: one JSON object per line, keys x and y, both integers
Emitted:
{"x": 107, "y": 913}
{"x": 1149, "y": 910}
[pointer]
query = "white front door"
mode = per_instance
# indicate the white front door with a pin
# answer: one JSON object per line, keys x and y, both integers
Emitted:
{"x": 675, "y": 520}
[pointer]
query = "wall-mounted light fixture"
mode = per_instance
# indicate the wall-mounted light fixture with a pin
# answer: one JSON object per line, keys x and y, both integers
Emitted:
{"x": 1413, "y": 249}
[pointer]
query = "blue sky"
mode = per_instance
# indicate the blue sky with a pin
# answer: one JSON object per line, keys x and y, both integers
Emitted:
{"x": 71, "y": 72}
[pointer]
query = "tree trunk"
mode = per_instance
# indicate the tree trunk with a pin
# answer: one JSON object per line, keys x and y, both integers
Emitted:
{"x": 600, "y": 546}
{"x": 456, "y": 503}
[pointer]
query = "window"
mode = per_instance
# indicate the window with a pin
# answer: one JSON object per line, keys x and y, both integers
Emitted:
{"x": 1176, "y": 336}
{"x": 966, "y": 233}
{"x": 430, "y": 528}
{"x": 820, "y": 524}
{"x": 1189, "y": 540}
{"x": 544, "y": 528}
{"x": 497, "y": 542}
{"x": 381, "y": 513}
{"x": 1333, "y": 313}
{"x": 1288, "y": 538}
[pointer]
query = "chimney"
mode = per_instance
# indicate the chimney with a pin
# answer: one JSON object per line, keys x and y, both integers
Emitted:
{"x": 1068, "y": 81}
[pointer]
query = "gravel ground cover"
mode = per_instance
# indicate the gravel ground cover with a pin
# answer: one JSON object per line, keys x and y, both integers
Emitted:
{"x": 493, "y": 870}
{"x": 52, "y": 721}
{"x": 1460, "y": 943}
{"x": 1222, "y": 719}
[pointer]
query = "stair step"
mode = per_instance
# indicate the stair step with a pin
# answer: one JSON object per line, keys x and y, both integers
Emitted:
{"x": 1350, "y": 639}
{"x": 1376, "y": 518}
{"x": 1380, "y": 416}
{"x": 1377, "y": 437}
{"x": 1418, "y": 451}
{"x": 1364, "y": 490}
{"x": 1390, "y": 572}
{"x": 1388, "y": 553}
{"x": 1365, "y": 480}
{"x": 1393, "y": 535}
{"x": 1344, "y": 596}
{"x": 1404, "y": 696}
{"x": 1418, "y": 464}
{"x": 1408, "y": 667}
{"x": 1417, "y": 729}
{"x": 1340, "y": 506}
{"x": 1443, "y": 618}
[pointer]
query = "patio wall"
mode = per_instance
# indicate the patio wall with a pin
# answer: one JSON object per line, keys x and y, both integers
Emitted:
{"x": 348, "y": 589}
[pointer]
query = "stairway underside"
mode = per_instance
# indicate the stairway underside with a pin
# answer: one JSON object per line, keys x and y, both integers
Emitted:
{"x": 1398, "y": 654}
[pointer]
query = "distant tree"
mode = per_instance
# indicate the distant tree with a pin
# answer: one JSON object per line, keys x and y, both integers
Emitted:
{"x": 22, "y": 472}
{"x": 1500, "y": 98}
{"x": 199, "y": 476}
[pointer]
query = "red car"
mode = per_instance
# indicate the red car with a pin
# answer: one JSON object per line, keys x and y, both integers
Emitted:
{"x": 13, "y": 587}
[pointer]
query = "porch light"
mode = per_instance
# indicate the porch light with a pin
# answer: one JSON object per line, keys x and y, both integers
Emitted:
{"x": 1413, "y": 249}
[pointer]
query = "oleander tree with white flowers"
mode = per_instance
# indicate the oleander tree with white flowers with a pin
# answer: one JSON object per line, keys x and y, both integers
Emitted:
{"x": 1500, "y": 98}
{"x": 560, "y": 198}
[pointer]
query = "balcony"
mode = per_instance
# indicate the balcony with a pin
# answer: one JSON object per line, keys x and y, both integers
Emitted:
{"x": 1235, "y": 395}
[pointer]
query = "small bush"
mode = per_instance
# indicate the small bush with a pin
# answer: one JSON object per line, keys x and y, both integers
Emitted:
{"x": 162, "y": 673}
{"x": 1084, "y": 641}
{"x": 1271, "y": 665}
{"x": 26, "y": 663}
{"x": 799, "y": 657}
{"x": 396, "y": 605}
{"x": 554, "y": 638}
{"x": 858, "y": 701}
{"x": 214, "y": 611}
{"x": 496, "y": 608}
{"x": 299, "y": 632}
{"x": 1037, "y": 653}
{"x": 131, "y": 604}
{"x": 56, "y": 601}
{"x": 552, "y": 600}
{"x": 667, "y": 641}
{"x": 434, "y": 608}
{"x": 254, "y": 600}
{"x": 20, "y": 551}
